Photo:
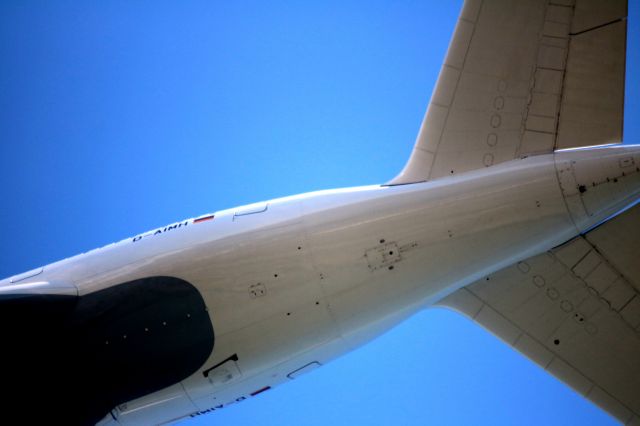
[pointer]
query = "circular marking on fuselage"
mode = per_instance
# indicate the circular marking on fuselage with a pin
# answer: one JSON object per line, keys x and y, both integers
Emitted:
{"x": 492, "y": 139}
{"x": 538, "y": 281}
{"x": 566, "y": 306}
{"x": 524, "y": 267}
{"x": 496, "y": 120}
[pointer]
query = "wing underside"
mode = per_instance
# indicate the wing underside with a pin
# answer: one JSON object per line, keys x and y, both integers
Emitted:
{"x": 523, "y": 77}
{"x": 575, "y": 311}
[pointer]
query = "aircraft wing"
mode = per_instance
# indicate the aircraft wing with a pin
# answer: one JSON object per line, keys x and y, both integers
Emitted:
{"x": 575, "y": 311}
{"x": 523, "y": 77}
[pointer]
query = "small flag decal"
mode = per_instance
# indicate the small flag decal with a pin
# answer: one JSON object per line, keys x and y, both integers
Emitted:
{"x": 266, "y": 388}
{"x": 203, "y": 219}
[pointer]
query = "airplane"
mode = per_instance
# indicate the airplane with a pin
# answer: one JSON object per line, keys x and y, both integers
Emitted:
{"x": 163, "y": 230}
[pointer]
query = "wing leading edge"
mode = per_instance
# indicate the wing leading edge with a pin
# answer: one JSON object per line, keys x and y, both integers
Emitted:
{"x": 523, "y": 77}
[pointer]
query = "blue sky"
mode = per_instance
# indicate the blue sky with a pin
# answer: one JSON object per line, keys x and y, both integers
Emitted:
{"x": 118, "y": 117}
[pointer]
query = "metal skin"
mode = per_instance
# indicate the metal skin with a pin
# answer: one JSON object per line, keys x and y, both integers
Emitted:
{"x": 294, "y": 282}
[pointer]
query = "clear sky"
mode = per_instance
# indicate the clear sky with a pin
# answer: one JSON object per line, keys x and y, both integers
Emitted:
{"x": 118, "y": 117}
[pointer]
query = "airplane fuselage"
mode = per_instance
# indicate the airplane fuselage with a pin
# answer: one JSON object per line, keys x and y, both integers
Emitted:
{"x": 290, "y": 284}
